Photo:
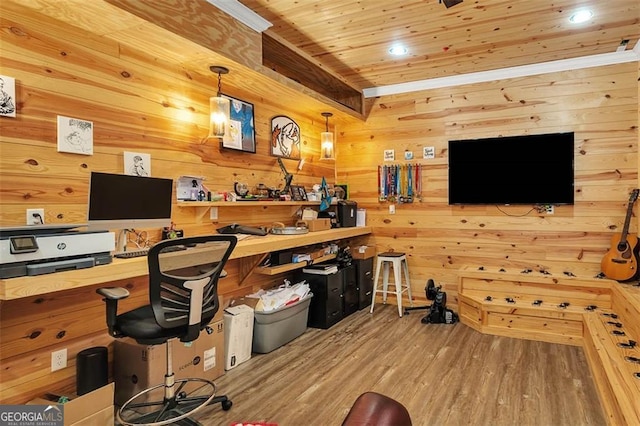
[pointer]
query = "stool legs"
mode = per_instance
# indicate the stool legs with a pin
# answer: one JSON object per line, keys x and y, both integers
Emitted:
{"x": 397, "y": 276}
{"x": 399, "y": 267}
{"x": 406, "y": 276}
{"x": 375, "y": 285}
{"x": 385, "y": 281}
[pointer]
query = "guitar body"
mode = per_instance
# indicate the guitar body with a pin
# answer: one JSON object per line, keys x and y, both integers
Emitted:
{"x": 621, "y": 261}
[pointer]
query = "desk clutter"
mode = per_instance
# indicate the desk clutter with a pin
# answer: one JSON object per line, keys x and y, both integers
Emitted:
{"x": 193, "y": 188}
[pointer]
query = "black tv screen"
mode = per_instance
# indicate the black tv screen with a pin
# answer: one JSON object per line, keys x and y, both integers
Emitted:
{"x": 529, "y": 169}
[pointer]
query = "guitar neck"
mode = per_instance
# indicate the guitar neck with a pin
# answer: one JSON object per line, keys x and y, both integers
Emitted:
{"x": 625, "y": 228}
{"x": 627, "y": 220}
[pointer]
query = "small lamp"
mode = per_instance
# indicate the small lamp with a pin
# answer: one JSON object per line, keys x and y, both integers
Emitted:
{"x": 218, "y": 107}
{"x": 326, "y": 140}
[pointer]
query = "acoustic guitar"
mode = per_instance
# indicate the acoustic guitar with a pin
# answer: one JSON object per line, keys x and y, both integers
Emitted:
{"x": 621, "y": 261}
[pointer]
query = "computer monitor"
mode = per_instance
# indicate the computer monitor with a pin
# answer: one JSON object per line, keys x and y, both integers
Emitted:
{"x": 119, "y": 202}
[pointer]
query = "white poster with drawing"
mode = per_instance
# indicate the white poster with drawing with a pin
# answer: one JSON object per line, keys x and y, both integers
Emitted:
{"x": 7, "y": 96}
{"x": 75, "y": 136}
{"x": 137, "y": 164}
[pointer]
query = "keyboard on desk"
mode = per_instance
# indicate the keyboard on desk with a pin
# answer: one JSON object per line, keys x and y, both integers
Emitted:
{"x": 131, "y": 253}
{"x": 145, "y": 251}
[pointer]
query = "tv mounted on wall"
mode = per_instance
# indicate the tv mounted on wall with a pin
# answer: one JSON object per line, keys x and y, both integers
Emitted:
{"x": 528, "y": 169}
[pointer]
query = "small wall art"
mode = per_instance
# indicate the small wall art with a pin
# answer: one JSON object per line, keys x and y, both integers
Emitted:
{"x": 389, "y": 155}
{"x": 240, "y": 133}
{"x": 7, "y": 96}
{"x": 285, "y": 137}
{"x": 428, "y": 152}
{"x": 137, "y": 164}
{"x": 408, "y": 155}
{"x": 75, "y": 135}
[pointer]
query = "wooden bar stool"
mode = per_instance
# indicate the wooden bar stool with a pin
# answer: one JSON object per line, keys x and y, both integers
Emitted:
{"x": 399, "y": 262}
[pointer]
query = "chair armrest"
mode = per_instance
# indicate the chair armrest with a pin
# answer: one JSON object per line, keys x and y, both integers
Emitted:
{"x": 113, "y": 293}
{"x": 111, "y": 296}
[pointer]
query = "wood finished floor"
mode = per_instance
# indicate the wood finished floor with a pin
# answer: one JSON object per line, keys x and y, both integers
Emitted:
{"x": 443, "y": 374}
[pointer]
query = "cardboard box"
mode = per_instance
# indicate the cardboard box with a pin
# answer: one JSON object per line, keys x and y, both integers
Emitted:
{"x": 317, "y": 253}
{"x": 238, "y": 335}
{"x": 318, "y": 224}
{"x": 219, "y": 316}
{"x": 252, "y": 302}
{"x": 363, "y": 252}
{"x": 137, "y": 367}
{"x": 95, "y": 407}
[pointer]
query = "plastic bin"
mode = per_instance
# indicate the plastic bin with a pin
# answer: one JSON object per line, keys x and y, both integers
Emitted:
{"x": 275, "y": 328}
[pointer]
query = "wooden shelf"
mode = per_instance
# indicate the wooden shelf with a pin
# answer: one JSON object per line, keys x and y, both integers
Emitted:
{"x": 271, "y": 242}
{"x": 245, "y": 203}
{"x": 20, "y": 287}
{"x": 274, "y": 270}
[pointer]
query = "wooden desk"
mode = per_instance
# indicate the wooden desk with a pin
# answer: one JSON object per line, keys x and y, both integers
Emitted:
{"x": 17, "y": 288}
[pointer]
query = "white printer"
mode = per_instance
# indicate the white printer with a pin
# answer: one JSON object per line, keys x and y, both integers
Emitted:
{"x": 42, "y": 249}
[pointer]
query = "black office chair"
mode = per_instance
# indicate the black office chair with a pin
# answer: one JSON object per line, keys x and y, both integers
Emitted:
{"x": 183, "y": 300}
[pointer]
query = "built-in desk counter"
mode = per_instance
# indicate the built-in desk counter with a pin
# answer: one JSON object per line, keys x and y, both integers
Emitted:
{"x": 16, "y": 288}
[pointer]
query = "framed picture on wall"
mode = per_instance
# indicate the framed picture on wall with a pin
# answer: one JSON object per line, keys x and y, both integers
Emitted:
{"x": 7, "y": 96}
{"x": 298, "y": 193}
{"x": 285, "y": 137}
{"x": 240, "y": 133}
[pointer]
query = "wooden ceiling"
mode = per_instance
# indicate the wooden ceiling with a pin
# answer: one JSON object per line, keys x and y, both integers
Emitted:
{"x": 351, "y": 38}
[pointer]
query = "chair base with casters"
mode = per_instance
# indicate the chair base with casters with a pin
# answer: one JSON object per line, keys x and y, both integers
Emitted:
{"x": 171, "y": 402}
{"x": 183, "y": 301}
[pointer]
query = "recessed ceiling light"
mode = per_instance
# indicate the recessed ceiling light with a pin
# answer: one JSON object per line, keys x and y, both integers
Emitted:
{"x": 398, "y": 50}
{"x": 581, "y": 16}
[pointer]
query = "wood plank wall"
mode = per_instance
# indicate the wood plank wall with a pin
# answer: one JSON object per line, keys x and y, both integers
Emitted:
{"x": 137, "y": 102}
{"x": 599, "y": 104}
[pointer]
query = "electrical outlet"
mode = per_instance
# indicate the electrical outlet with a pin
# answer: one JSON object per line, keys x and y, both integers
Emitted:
{"x": 35, "y": 216}
{"x": 548, "y": 209}
{"x": 392, "y": 209}
{"x": 59, "y": 359}
{"x": 213, "y": 213}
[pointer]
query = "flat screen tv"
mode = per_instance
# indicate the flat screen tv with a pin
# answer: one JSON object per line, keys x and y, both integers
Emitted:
{"x": 126, "y": 202}
{"x": 529, "y": 169}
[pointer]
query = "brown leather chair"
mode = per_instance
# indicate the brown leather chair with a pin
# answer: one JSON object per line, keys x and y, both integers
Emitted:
{"x": 374, "y": 409}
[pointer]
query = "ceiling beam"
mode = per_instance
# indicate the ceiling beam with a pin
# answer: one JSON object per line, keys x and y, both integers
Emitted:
{"x": 506, "y": 73}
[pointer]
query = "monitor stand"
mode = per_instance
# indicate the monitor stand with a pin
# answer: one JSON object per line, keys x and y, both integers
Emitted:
{"x": 121, "y": 241}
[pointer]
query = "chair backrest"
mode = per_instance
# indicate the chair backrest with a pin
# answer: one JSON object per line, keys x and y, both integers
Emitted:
{"x": 183, "y": 283}
{"x": 375, "y": 409}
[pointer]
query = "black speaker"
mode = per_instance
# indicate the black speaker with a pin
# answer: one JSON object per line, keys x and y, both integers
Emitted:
{"x": 92, "y": 369}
